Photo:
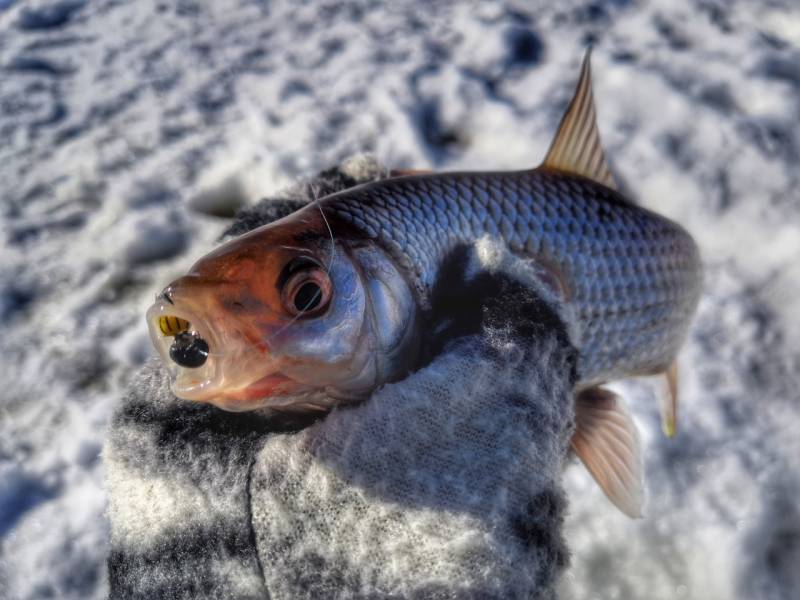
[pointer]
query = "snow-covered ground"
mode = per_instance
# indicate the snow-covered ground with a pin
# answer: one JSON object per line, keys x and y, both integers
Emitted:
{"x": 130, "y": 132}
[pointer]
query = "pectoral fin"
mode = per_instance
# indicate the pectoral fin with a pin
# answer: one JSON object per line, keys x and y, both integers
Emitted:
{"x": 607, "y": 443}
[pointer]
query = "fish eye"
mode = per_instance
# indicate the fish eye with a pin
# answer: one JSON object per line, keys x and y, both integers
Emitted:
{"x": 307, "y": 292}
{"x": 307, "y": 297}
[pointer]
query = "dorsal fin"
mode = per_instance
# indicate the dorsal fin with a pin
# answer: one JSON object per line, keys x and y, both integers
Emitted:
{"x": 576, "y": 147}
{"x": 408, "y": 172}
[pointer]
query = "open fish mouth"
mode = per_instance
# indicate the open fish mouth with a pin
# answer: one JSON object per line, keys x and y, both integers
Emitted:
{"x": 188, "y": 349}
{"x": 207, "y": 366}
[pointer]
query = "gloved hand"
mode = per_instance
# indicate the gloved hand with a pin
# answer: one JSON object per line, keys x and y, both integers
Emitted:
{"x": 443, "y": 485}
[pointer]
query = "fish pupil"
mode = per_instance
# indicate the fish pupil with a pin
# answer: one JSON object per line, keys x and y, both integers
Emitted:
{"x": 189, "y": 350}
{"x": 308, "y": 297}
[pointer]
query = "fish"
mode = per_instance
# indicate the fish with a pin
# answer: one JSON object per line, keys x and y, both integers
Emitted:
{"x": 327, "y": 304}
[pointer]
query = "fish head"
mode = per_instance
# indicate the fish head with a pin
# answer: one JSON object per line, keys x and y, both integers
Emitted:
{"x": 284, "y": 313}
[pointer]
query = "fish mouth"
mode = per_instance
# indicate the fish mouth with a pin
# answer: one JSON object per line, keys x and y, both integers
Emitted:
{"x": 167, "y": 324}
{"x": 206, "y": 364}
{"x": 272, "y": 390}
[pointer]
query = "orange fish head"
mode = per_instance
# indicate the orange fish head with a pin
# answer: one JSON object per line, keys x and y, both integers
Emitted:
{"x": 282, "y": 313}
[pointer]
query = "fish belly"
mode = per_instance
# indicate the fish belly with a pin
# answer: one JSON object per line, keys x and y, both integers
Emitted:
{"x": 633, "y": 277}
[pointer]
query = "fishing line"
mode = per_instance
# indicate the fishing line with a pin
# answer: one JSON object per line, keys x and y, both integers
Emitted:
{"x": 249, "y": 349}
{"x": 372, "y": 345}
{"x": 315, "y": 195}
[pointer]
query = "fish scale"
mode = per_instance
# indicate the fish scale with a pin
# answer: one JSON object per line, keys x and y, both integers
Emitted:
{"x": 633, "y": 276}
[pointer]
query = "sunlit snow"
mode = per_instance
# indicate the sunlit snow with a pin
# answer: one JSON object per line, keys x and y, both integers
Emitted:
{"x": 127, "y": 129}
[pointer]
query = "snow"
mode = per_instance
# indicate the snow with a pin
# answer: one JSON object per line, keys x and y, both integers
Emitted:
{"x": 131, "y": 132}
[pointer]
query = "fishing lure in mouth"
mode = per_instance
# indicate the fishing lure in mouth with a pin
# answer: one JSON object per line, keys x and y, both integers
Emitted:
{"x": 327, "y": 304}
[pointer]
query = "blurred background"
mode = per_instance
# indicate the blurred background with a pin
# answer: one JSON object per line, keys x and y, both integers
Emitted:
{"x": 130, "y": 133}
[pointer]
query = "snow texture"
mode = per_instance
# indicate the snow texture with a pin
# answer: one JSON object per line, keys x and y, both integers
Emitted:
{"x": 127, "y": 128}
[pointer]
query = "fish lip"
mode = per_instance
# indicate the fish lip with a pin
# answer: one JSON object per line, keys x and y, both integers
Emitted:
{"x": 258, "y": 391}
{"x": 166, "y": 295}
{"x": 272, "y": 384}
{"x": 273, "y": 389}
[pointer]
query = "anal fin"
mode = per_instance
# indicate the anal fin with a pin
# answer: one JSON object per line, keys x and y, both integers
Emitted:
{"x": 607, "y": 442}
{"x": 668, "y": 401}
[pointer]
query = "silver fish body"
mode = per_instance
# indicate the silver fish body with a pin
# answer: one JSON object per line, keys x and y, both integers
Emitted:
{"x": 329, "y": 303}
{"x": 632, "y": 276}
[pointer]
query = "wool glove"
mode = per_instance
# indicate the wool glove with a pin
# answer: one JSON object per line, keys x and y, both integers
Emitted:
{"x": 442, "y": 485}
